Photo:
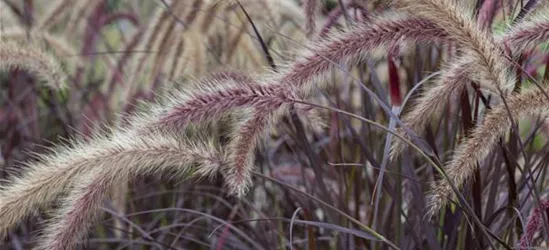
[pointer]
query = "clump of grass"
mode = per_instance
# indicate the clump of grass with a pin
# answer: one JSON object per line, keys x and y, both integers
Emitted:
{"x": 216, "y": 124}
{"x": 294, "y": 82}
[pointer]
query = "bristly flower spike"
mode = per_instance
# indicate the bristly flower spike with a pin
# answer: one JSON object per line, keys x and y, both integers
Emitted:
{"x": 33, "y": 59}
{"x": 155, "y": 155}
{"x": 482, "y": 141}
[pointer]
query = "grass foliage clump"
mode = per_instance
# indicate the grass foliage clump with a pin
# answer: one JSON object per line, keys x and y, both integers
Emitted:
{"x": 350, "y": 124}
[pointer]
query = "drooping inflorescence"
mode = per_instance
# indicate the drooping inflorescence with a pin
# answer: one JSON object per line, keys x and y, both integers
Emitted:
{"x": 32, "y": 58}
{"x": 170, "y": 135}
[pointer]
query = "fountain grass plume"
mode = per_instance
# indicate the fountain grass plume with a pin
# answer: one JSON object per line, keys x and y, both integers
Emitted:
{"x": 156, "y": 155}
{"x": 482, "y": 61}
{"x": 477, "y": 44}
{"x": 528, "y": 33}
{"x": 32, "y": 58}
{"x": 206, "y": 101}
{"x": 533, "y": 225}
{"x": 42, "y": 182}
{"x": 452, "y": 80}
{"x": 56, "y": 45}
{"x": 297, "y": 80}
{"x": 482, "y": 141}
{"x": 348, "y": 48}
{"x": 245, "y": 139}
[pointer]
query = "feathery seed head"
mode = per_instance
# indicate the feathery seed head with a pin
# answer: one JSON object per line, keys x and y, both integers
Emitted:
{"x": 451, "y": 82}
{"x": 209, "y": 100}
{"x": 482, "y": 141}
{"x": 350, "y": 47}
{"x": 33, "y": 59}
{"x": 533, "y": 225}
{"x": 478, "y": 44}
{"x": 528, "y": 33}
{"x": 296, "y": 81}
{"x": 161, "y": 153}
{"x": 54, "y": 174}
